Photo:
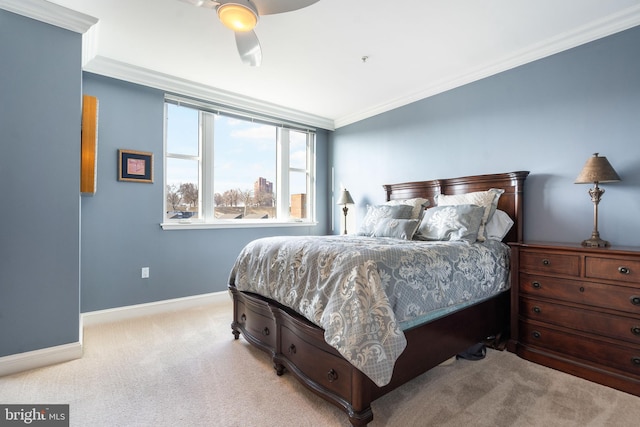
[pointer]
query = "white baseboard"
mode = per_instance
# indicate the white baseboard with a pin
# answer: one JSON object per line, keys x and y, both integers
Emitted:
{"x": 64, "y": 353}
{"x": 132, "y": 311}
{"x": 39, "y": 358}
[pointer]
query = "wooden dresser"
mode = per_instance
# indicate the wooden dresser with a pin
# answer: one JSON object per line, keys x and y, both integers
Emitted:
{"x": 577, "y": 310}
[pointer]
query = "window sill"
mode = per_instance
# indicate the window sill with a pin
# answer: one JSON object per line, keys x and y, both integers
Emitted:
{"x": 234, "y": 224}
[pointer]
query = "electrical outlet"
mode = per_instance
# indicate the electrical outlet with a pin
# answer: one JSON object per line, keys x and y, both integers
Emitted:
{"x": 145, "y": 272}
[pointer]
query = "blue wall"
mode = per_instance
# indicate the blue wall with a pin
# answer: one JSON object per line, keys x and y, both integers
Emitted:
{"x": 40, "y": 110}
{"x": 121, "y": 223}
{"x": 546, "y": 117}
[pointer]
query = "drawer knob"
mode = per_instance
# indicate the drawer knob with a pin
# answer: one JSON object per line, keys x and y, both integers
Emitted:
{"x": 624, "y": 270}
{"x": 292, "y": 349}
{"x": 243, "y": 318}
{"x": 332, "y": 375}
{"x": 635, "y": 360}
{"x": 536, "y": 285}
{"x": 546, "y": 262}
{"x": 265, "y": 331}
{"x": 537, "y": 310}
{"x": 536, "y": 334}
{"x": 635, "y": 330}
{"x": 635, "y": 300}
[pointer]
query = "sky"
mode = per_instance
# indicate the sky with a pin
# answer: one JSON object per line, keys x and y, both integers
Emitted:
{"x": 244, "y": 151}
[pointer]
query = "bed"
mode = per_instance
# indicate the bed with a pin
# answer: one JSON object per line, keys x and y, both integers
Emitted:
{"x": 319, "y": 358}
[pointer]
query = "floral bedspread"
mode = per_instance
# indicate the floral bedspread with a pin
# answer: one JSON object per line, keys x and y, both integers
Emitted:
{"x": 359, "y": 289}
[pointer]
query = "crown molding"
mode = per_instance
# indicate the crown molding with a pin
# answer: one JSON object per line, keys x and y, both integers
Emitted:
{"x": 66, "y": 18}
{"x": 60, "y": 16}
{"x": 50, "y": 13}
{"x": 90, "y": 44}
{"x": 604, "y": 27}
{"x": 123, "y": 71}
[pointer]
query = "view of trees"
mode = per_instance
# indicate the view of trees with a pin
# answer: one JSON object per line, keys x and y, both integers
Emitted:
{"x": 185, "y": 194}
{"x": 185, "y": 197}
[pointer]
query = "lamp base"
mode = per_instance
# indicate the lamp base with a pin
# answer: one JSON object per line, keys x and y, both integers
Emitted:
{"x": 345, "y": 209}
{"x": 595, "y": 242}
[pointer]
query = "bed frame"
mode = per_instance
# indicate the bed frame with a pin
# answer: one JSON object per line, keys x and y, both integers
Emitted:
{"x": 298, "y": 346}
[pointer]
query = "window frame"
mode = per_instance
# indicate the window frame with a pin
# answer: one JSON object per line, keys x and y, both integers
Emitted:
{"x": 205, "y": 157}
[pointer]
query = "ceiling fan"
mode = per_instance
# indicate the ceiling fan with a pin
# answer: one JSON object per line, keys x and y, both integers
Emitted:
{"x": 242, "y": 16}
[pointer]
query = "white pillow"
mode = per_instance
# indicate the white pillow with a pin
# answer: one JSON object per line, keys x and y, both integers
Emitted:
{"x": 499, "y": 225}
{"x": 418, "y": 204}
{"x": 487, "y": 199}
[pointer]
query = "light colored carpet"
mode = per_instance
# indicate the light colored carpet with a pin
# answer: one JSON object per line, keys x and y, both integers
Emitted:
{"x": 185, "y": 369}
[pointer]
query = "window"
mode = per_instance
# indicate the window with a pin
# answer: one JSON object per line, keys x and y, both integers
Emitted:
{"x": 227, "y": 168}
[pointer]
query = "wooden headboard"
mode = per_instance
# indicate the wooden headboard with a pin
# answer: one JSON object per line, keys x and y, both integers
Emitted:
{"x": 511, "y": 201}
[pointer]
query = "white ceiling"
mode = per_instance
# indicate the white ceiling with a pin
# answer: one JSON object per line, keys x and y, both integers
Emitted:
{"x": 312, "y": 57}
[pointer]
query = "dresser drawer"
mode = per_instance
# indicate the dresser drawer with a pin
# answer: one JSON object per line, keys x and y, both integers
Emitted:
{"x": 607, "y": 325}
{"x": 623, "y": 270}
{"x": 325, "y": 369}
{"x": 550, "y": 263}
{"x": 582, "y": 292}
{"x": 257, "y": 321}
{"x": 622, "y": 358}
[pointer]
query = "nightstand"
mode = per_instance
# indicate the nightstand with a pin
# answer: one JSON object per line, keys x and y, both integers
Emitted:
{"x": 577, "y": 310}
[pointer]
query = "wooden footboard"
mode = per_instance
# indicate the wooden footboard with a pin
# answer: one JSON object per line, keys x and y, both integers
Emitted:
{"x": 298, "y": 346}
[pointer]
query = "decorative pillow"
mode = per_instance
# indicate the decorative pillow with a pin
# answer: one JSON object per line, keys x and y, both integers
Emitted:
{"x": 487, "y": 199}
{"x": 419, "y": 204}
{"x": 376, "y": 213}
{"x": 456, "y": 222}
{"x": 396, "y": 228}
{"x": 498, "y": 226}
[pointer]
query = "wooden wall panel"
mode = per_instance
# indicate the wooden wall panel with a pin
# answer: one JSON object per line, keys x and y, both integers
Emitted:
{"x": 89, "y": 145}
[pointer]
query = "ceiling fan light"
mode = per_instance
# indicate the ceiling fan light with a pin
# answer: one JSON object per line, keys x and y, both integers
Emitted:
{"x": 237, "y": 17}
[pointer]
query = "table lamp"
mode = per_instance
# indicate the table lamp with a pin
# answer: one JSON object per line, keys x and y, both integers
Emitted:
{"x": 596, "y": 170}
{"x": 344, "y": 200}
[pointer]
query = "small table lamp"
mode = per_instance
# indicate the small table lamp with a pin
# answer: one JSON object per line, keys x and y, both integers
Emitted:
{"x": 344, "y": 200}
{"x": 596, "y": 170}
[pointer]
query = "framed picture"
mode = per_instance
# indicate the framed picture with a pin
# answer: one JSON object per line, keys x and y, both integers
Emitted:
{"x": 135, "y": 166}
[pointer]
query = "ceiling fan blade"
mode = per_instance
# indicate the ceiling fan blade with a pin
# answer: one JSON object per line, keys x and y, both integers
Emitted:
{"x": 209, "y": 4}
{"x": 270, "y": 7}
{"x": 249, "y": 48}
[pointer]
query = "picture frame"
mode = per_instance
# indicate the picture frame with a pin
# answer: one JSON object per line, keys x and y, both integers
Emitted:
{"x": 135, "y": 166}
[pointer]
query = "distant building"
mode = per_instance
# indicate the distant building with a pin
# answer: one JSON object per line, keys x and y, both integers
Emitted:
{"x": 263, "y": 192}
{"x": 298, "y": 206}
{"x": 263, "y": 186}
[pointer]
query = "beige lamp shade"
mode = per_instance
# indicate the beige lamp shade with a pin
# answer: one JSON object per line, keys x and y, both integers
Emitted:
{"x": 597, "y": 169}
{"x": 345, "y": 198}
